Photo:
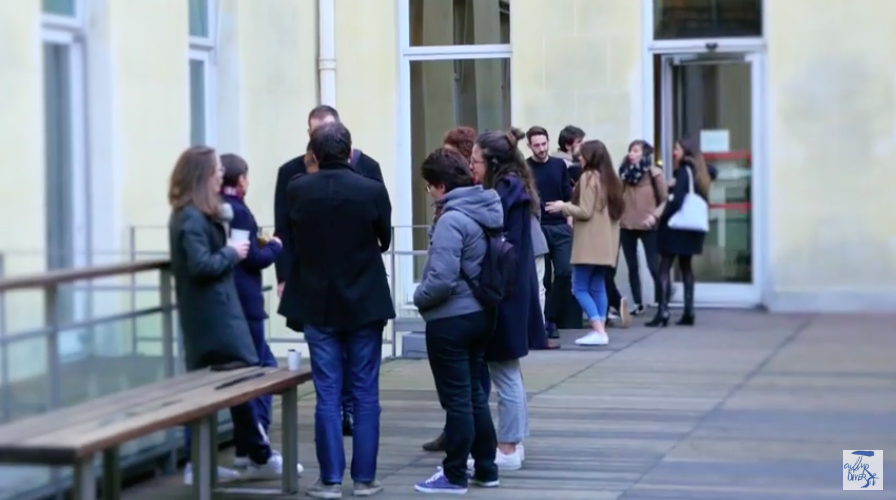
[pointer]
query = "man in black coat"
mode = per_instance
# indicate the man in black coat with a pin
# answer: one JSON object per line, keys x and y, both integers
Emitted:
{"x": 340, "y": 223}
{"x": 361, "y": 163}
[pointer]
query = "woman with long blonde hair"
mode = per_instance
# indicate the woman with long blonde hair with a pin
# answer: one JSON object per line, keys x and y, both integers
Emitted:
{"x": 680, "y": 244}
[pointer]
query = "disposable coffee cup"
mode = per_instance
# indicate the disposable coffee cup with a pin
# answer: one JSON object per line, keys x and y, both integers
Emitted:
{"x": 239, "y": 235}
{"x": 293, "y": 360}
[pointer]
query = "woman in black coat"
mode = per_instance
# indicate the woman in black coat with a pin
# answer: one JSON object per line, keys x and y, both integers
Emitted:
{"x": 498, "y": 164}
{"x": 213, "y": 327}
{"x": 679, "y": 244}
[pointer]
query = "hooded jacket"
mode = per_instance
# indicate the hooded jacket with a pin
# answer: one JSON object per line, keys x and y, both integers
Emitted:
{"x": 457, "y": 243}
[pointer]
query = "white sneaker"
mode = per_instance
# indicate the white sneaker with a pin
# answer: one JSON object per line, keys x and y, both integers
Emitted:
{"x": 522, "y": 451}
{"x": 509, "y": 462}
{"x": 593, "y": 339}
{"x": 273, "y": 469}
{"x": 240, "y": 463}
{"x": 225, "y": 475}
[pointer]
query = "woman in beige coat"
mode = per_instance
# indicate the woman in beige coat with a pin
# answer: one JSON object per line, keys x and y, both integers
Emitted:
{"x": 596, "y": 208}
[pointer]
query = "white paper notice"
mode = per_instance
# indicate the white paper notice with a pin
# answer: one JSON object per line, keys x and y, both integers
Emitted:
{"x": 715, "y": 141}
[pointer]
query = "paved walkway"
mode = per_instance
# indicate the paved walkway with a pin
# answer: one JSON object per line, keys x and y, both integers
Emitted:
{"x": 743, "y": 406}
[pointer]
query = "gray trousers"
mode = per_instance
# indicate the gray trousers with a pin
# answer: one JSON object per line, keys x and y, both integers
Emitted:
{"x": 513, "y": 409}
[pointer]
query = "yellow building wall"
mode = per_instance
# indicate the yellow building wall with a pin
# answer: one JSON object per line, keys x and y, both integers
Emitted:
{"x": 831, "y": 138}
{"x": 578, "y": 62}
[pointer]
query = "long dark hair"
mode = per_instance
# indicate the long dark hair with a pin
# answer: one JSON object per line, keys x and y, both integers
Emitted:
{"x": 502, "y": 158}
{"x": 597, "y": 164}
{"x": 693, "y": 156}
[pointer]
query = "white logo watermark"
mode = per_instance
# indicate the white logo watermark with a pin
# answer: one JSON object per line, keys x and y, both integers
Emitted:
{"x": 863, "y": 470}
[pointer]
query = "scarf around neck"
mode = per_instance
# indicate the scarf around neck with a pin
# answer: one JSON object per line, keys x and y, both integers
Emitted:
{"x": 632, "y": 174}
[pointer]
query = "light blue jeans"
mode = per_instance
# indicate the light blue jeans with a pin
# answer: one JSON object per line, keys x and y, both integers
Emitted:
{"x": 590, "y": 290}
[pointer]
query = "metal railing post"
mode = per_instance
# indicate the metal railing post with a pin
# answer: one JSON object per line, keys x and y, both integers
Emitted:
{"x": 132, "y": 243}
{"x": 6, "y": 394}
{"x": 392, "y": 257}
{"x": 51, "y": 321}
{"x": 166, "y": 302}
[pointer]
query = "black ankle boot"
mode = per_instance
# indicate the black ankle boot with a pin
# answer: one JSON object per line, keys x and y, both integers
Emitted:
{"x": 661, "y": 318}
{"x": 687, "y": 317}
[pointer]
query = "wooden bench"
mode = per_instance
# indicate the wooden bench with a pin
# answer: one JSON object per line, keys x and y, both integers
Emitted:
{"x": 73, "y": 436}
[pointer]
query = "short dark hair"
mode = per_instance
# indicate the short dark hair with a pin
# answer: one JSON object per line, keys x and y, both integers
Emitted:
{"x": 323, "y": 111}
{"x": 569, "y": 135}
{"x": 331, "y": 142}
{"x": 446, "y": 167}
{"x": 234, "y": 168}
{"x": 536, "y": 130}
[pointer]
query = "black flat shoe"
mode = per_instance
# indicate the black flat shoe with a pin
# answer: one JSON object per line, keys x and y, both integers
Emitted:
{"x": 347, "y": 425}
{"x": 661, "y": 319}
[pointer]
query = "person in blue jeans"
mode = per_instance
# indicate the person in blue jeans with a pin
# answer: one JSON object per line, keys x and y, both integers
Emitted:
{"x": 247, "y": 277}
{"x": 596, "y": 207}
{"x": 338, "y": 289}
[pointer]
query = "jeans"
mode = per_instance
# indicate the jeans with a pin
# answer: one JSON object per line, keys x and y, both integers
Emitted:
{"x": 590, "y": 290}
{"x": 628, "y": 239}
{"x": 559, "y": 238}
{"x": 455, "y": 348}
{"x": 513, "y": 406}
{"x": 347, "y": 402}
{"x": 266, "y": 357}
{"x": 361, "y": 350}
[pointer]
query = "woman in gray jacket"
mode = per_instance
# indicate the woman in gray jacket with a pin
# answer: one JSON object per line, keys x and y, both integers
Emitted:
{"x": 458, "y": 328}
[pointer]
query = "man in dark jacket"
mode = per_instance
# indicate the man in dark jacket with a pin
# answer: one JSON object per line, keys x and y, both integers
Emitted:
{"x": 362, "y": 164}
{"x": 338, "y": 288}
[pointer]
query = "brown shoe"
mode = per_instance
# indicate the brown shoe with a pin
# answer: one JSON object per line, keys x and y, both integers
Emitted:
{"x": 437, "y": 444}
{"x": 625, "y": 318}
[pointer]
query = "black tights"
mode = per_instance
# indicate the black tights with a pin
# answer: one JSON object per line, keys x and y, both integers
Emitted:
{"x": 687, "y": 275}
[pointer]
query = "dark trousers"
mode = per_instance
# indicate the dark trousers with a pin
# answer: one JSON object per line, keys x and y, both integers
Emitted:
{"x": 628, "y": 239}
{"x": 266, "y": 358}
{"x": 455, "y": 348}
{"x": 614, "y": 298}
{"x": 558, "y": 273}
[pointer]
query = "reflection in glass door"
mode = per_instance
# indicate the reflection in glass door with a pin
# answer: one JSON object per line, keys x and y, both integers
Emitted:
{"x": 713, "y": 98}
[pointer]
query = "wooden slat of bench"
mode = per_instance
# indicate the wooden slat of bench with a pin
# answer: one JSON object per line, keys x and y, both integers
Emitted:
{"x": 113, "y": 403}
{"x": 68, "y": 444}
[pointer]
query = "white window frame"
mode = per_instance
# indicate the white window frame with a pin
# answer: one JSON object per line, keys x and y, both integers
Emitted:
{"x": 203, "y": 50}
{"x": 755, "y": 49}
{"x": 403, "y": 215}
{"x": 70, "y": 31}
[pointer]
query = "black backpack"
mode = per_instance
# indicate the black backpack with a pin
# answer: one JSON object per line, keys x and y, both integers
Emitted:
{"x": 498, "y": 270}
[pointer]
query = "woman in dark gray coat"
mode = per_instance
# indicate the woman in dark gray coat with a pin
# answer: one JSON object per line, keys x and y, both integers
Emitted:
{"x": 214, "y": 330}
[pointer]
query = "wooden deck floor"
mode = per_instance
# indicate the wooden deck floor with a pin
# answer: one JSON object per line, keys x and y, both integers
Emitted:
{"x": 743, "y": 406}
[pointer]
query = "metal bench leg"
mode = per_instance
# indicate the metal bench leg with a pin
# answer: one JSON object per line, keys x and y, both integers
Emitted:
{"x": 203, "y": 462}
{"x": 111, "y": 475}
{"x": 85, "y": 481}
{"x": 290, "y": 434}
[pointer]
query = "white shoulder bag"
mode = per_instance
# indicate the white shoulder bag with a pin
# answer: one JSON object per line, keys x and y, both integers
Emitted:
{"x": 694, "y": 212}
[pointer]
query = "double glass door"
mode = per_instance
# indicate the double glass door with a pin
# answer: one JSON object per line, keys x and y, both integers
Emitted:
{"x": 714, "y": 99}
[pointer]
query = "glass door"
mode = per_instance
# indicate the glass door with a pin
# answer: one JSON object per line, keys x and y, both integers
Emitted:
{"x": 714, "y": 99}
